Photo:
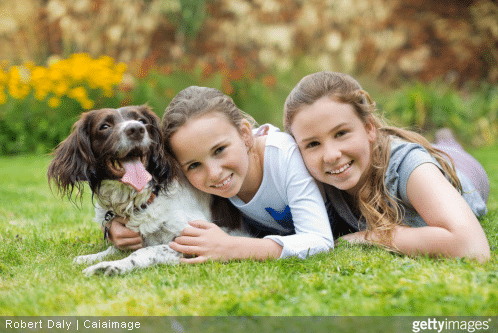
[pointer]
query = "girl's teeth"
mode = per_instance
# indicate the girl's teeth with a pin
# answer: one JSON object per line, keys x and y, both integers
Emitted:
{"x": 224, "y": 183}
{"x": 341, "y": 169}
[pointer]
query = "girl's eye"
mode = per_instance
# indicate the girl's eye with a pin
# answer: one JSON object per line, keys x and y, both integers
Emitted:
{"x": 312, "y": 144}
{"x": 219, "y": 150}
{"x": 193, "y": 166}
{"x": 341, "y": 133}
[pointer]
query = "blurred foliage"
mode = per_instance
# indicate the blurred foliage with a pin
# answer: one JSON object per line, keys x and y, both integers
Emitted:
{"x": 471, "y": 112}
{"x": 260, "y": 95}
{"x": 39, "y": 105}
{"x": 193, "y": 15}
{"x": 187, "y": 15}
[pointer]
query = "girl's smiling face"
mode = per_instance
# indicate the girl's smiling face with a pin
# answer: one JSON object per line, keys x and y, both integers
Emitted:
{"x": 213, "y": 154}
{"x": 335, "y": 143}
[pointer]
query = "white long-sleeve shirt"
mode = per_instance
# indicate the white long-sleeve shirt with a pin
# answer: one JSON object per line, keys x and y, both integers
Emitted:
{"x": 288, "y": 204}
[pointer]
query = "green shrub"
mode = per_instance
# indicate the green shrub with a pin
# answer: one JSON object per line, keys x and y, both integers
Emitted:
{"x": 38, "y": 105}
{"x": 262, "y": 96}
{"x": 472, "y": 114}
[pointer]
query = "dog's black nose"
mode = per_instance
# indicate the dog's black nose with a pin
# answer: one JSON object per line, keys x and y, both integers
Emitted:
{"x": 135, "y": 131}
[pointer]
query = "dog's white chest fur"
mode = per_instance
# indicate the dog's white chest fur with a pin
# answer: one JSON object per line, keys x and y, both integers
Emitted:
{"x": 164, "y": 218}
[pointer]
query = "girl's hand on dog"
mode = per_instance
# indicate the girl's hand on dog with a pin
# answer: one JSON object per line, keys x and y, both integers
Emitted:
{"x": 203, "y": 240}
{"x": 122, "y": 237}
{"x": 206, "y": 241}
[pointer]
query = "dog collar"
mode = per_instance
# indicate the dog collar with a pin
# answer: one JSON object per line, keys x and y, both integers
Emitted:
{"x": 109, "y": 215}
{"x": 153, "y": 195}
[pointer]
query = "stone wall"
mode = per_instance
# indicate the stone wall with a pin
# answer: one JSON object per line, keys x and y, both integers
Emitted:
{"x": 394, "y": 40}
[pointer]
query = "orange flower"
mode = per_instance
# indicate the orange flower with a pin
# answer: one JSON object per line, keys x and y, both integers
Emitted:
{"x": 269, "y": 81}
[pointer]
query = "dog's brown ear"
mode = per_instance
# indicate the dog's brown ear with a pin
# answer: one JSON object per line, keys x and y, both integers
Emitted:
{"x": 146, "y": 111}
{"x": 73, "y": 160}
{"x": 163, "y": 166}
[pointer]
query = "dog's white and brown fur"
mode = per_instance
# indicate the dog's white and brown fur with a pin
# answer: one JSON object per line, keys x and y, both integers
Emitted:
{"x": 101, "y": 144}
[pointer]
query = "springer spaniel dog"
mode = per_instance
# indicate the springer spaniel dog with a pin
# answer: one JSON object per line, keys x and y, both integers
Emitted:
{"x": 120, "y": 154}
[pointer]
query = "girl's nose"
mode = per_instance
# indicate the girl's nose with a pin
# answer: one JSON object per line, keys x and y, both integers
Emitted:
{"x": 331, "y": 154}
{"x": 214, "y": 171}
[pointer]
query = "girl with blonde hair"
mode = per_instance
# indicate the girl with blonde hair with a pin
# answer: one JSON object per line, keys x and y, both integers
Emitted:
{"x": 386, "y": 185}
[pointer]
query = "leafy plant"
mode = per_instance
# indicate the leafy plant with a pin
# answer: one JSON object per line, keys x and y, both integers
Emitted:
{"x": 262, "y": 96}
{"x": 472, "y": 114}
{"x": 38, "y": 104}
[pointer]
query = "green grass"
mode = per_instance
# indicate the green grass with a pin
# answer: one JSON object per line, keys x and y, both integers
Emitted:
{"x": 41, "y": 234}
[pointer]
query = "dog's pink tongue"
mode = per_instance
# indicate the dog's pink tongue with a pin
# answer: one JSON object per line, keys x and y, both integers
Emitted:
{"x": 136, "y": 175}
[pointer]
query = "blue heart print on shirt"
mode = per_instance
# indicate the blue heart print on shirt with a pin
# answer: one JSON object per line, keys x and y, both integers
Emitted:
{"x": 284, "y": 218}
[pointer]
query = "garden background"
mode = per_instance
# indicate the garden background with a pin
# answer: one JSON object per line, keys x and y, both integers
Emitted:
{"x": 428, "y": 64}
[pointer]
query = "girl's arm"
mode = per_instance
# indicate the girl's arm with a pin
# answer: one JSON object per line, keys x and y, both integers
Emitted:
{"x": 452, "y": 228}
{"x": 207, "y": 241}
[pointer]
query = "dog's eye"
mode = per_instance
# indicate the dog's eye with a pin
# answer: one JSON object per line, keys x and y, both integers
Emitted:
{"x": 143, "y": 121}
{"x": 104, "y": 127}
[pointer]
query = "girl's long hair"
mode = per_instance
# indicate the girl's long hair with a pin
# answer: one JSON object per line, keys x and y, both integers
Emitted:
{"x": 193, "y": 102}
{"x": 378, "y": 208}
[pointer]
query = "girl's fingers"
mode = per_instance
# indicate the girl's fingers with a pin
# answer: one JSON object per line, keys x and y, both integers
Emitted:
{"x": 124, "y": 238}
{"x": 122, "y": 231}
{"x": 185, "y": 249}
{"x": 196, "y": 228}
{"x": 191, "y": 231}
{"x": 196, "y": 260}
{"x": 200, "y": 224}
{"x": 134, "y": 247}
{"x": 129, "y": 243}
{"x": 186, "y": 240}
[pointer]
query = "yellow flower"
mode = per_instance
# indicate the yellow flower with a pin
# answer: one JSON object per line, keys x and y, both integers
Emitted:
{"x": 54, "y": 102}
{"x": 38, "y": 73}
{"x": 17, "y": 88}
{"x": 69, "y": 77}
{"x": 87, "y": 104}
{"x": 40, "y": 82}
{"x": 40, "y": 94}
{"x": 121, "y": 68}
{"x": 61, "y": 88}
{"x": 79, "y": 64}
{"x": 78, "y": 93}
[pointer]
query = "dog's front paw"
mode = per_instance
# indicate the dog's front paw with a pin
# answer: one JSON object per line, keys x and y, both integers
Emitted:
{"x": 108, "y": 268}
{"x": 88, "y": 259}
{"x": 91, "y": 258}
{"x": 144, "y": 257}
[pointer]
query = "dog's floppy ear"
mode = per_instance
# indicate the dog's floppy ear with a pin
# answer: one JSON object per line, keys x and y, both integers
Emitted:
{"x": 147, "y": 112}
{"x": 74, "y": 160}
{"x": 163, "y": 167}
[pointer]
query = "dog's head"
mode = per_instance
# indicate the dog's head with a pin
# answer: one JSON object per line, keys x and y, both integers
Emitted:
{"x": 122, "y": 144}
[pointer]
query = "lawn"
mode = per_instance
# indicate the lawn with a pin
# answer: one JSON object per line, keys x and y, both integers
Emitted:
{"x": 40, "y": 235}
